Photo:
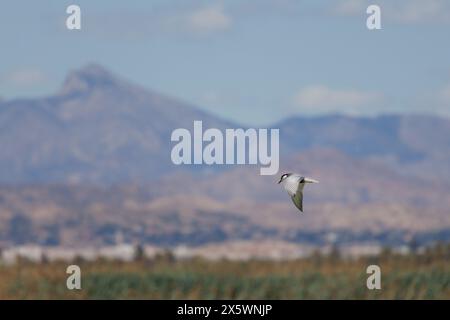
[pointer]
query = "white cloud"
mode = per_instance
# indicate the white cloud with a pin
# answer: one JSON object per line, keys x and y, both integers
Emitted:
{"x": 195, "y": 21}
{"x": 443, "y": 103}
{"x": 319, "y": 98}
{"x": 444, "y": 96}
{"x": 208, "y": 19}
{"x": 350, "y": 7}
{"x": 418, "y": 11}
{"x": 399, "y": 11}
{"x": 210, "y": 98}
{"x": 189, "y": 19}
{"x": 24, "y": 78}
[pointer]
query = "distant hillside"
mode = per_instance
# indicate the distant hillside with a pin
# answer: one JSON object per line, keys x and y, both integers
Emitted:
{"x": 356, "y": 202}
{"x": 97, "y": 129}
{"x": 102, "y": 129}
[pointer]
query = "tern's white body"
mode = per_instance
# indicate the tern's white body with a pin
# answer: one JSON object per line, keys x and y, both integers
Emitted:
{"x": 292, "y": 183}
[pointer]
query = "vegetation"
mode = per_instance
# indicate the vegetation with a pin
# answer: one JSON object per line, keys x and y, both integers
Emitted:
{"x": 413, "y": 276}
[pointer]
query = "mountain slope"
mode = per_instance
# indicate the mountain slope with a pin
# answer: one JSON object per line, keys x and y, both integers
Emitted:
{"x": 97, "y": 129}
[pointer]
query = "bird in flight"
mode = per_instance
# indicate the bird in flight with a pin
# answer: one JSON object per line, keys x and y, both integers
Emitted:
{"x": 294, "y": 183}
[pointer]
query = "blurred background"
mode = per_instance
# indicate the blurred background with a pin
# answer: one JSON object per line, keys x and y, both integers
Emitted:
{"x": 86, "y": 175}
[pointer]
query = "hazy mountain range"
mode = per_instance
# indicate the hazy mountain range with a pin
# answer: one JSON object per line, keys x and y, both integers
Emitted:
{"x": 93, "y": 161}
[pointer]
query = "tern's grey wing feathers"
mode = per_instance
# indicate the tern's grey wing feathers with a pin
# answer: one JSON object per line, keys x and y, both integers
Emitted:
{"x": 297, "y": 198}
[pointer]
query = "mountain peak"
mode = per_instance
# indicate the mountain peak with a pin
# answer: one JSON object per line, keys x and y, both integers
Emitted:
{"x": 87, "y": 78}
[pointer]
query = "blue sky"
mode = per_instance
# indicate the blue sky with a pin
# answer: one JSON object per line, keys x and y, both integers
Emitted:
{"x": 252, "y": 61}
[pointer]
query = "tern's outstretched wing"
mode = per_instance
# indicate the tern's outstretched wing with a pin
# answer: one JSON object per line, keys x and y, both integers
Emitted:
{"x": 297, "y": 198}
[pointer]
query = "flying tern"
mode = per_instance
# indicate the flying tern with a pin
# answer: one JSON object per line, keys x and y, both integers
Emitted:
{"x": 294, "y": 183}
